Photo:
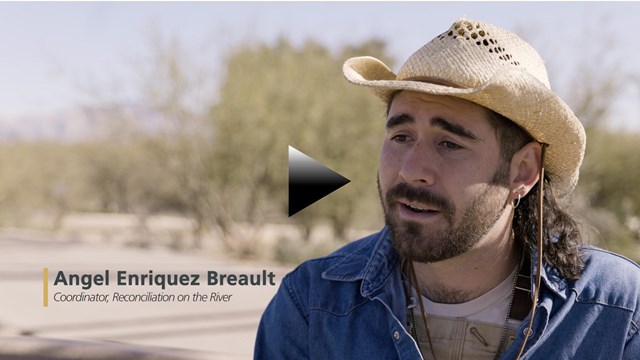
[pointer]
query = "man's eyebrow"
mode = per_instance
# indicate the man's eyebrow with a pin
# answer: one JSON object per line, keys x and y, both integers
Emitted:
{"x": 453, "y": 128}
{"x": 399, "y": 119}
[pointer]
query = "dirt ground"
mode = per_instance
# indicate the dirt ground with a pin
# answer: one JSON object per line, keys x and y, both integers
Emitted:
{"x": 187, "y": 329}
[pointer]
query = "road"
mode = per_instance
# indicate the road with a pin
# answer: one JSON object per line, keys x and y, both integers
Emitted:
{"x": 193, "y": 329}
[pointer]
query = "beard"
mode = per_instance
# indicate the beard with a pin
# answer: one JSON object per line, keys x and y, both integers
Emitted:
{"x": 426, "y": 243}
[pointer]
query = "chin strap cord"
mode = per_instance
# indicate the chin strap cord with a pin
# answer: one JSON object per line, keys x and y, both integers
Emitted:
{"x": 539, "y": 259}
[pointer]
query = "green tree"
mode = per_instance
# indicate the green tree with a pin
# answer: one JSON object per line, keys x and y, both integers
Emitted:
{"x": 181, "y": 92}
{"x": 280, "y": 95}
{"x": 607, "y": 196}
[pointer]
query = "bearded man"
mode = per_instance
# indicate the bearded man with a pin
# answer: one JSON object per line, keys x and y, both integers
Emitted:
{"x": 477, "y": 259}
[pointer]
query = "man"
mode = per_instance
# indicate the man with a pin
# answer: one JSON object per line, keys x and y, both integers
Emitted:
{"x": 477, "y": 260}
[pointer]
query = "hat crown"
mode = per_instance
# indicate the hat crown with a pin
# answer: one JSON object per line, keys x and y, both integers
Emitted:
{"x": 493, "y": 68}
{"x": 470, "y": 53}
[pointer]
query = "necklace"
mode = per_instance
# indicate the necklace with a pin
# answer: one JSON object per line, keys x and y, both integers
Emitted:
{"x": 413, "y": 284}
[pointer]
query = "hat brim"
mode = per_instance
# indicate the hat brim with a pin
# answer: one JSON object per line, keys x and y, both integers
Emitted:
{"x": 512, "y": 93}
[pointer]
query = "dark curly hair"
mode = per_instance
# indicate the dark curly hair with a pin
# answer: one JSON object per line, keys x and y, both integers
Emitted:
{"x": 562, "y": 238}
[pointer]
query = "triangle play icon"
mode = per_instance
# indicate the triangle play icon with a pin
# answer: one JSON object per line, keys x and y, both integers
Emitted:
{"x": 309, "y": 181}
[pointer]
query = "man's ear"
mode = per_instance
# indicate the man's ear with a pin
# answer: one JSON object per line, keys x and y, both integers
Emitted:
{"x": 525, "y": 169}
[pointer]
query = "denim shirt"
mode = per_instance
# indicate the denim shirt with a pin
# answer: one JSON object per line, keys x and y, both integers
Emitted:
{"x": 351, "y": 305}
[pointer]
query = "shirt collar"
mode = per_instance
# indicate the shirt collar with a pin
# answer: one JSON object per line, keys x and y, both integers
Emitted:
{"x": 374, "y": 263}
{"x": 551, "y": 277}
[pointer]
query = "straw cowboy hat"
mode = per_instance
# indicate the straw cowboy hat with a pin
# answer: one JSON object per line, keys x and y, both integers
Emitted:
{"x": 494, "y": 68}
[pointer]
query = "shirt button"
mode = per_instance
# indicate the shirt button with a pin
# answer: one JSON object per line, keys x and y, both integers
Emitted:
{"x": 527, "y": 331}
{"x": 396, "y": 335}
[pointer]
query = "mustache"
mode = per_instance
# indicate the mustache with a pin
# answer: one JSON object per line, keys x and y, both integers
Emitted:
{"x": 421, "y": 195}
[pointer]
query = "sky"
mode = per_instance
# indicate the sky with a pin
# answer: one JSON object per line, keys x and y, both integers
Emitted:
{"x": 53, "y": 54}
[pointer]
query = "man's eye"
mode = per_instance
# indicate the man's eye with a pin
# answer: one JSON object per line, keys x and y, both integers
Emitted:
{"x": 450, "y": 145}
{"x": 400, "y": 138}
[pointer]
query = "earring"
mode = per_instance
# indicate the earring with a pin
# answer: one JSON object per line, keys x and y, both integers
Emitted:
{"x": 517, "y": 202}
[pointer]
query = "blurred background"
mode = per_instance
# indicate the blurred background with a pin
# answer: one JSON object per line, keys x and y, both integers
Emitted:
{"x": 139, "y": 129}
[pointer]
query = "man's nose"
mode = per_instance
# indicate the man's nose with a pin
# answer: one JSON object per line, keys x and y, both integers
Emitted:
{"x": 418, "y": 167}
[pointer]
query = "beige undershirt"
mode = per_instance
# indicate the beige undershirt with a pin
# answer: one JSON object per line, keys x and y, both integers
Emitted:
{"x": 470, "y": 330}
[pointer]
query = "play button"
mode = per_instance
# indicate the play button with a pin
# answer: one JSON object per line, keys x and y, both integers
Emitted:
{"x": 309, "y": 181}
